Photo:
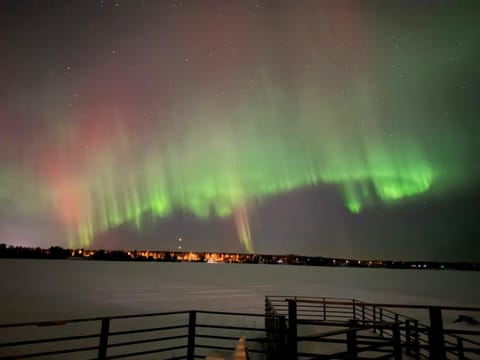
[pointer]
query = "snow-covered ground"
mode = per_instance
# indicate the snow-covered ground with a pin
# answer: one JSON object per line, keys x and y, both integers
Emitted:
{"x": 35, "y": 290}
{"x": 47, "y": 289}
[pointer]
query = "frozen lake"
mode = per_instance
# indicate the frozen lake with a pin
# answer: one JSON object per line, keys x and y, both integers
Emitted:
{"x": 49, "y": 289}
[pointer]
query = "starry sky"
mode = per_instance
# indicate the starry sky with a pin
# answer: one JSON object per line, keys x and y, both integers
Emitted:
{"x": 323, "y": 128}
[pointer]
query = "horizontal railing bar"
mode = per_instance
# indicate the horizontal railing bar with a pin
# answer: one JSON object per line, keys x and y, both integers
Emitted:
{"x": 331, "y": 333}
{"x": 68, "y": 321}
{"x": 144, "y": 341}
{"x": 216, "y": 347}
{"x": 321, "y": 322}
{"x": 40, "y": 341}
{"x": 361, "y": 324}
{"x": 400, "y": 317}
{"x": 52, "y": 323}
{"x": 383, "y": 305}
{"x": 470, "y": 341}
{"x": 465, "y": 350}
{"x": 333, "y": 318}
{"x": 373, "y": 347}
{"x": 53, "y": 352}
{"x": 377, "y": 342}
{"x": 330, "y": 311}
{"x": 373, "y": 338}
{"x": 220, "y": 337}
{"x": 454, "y": 332}
{"x": 235, "y": 338}
{"x": 340, "y": 331}
{"x": 320, "y": 306}
{"x": 234, "y": 314}
{"x": 127, "y": 332}
{"x": 63, "y": 322}
{"x": 323, "y": 297}
{"x": 465, "y": 340}
{"x": 146, "y": 352}
{"x": 368, "y": 312}
{"x": 325, "y": 340}
{"x": 322, "y": 311}
{"x": 225, "y": 327}
{"x": 319, "y": 312}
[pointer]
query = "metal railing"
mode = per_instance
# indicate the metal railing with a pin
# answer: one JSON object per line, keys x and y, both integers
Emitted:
{"x": 417, "y": 340}
{"x": 171, "y": 335}
{"x": 291, "y": 328}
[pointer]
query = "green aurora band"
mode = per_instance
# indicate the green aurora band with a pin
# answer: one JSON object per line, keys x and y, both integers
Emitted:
{"x": 191, "y": 170}
{"x": 376, "y": 109}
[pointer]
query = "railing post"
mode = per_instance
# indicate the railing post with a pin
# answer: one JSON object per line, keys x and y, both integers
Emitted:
{"x": 281, "y": 346}
{"x": 192, "y": 323}
{"x": 354, "y": 309}
{"x": 324, "y": 310}
{"x": 381, "y": 320}
{"x": 102, "y": 346}
{"x": 352, "y": 350}
{"x": 374, "y": 319}
{"x": 461, "y": 354}
{"x": 292, "y": 329}
{"x": 408, "y": 339}
{"x": 416, "y": 341}
{"x": 396, "y": 320}
{"x": 363, "y": 313}
{"x": 268, "y": 313}
{"x": 436, "y": 340}
{"x": 397, "y": 343}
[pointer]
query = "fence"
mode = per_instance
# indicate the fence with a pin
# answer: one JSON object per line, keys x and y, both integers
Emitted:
{"x": 181, "y": 335}
{"x": 291, "y": 328}
{"x": 389, "y": 333}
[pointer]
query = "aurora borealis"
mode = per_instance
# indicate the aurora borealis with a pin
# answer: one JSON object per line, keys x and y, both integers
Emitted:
{"x": 118, "y": 118}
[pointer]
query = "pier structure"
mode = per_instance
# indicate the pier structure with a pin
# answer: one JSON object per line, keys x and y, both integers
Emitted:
{"x": 290, "y": 328}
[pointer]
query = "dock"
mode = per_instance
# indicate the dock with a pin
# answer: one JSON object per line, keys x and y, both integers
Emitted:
{"x": 290, "y": 328}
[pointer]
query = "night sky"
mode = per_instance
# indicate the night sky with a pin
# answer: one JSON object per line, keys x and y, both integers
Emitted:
{"x": 327, "y": 128}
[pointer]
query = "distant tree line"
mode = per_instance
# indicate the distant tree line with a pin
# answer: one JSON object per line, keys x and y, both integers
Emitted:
{"x": 56, "y": 252}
